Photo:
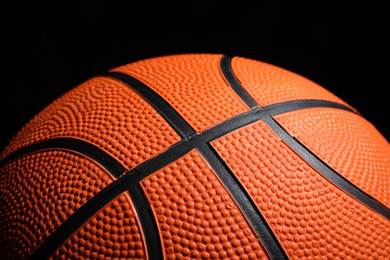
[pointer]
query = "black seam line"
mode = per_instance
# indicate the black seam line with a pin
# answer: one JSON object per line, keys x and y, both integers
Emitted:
{"x": 76, "y": 145}
{"x": 148, "y": 225}
{"x": 110, "y": 192}
{"x": 327, "y": 171}
{"x": 143, "y": 170}
{"x": 241, "y": 197}
{"x": 117, "y": 169}
{"x": 227, "y": 71}
{"x": 173, "y": 118}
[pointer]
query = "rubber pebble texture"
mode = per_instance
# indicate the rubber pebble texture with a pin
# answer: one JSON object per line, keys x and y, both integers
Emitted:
{"x": 348, "y": 143}
{"x": 196, "y": 216}
{"x": 107, "y": 114}
{"x": 39, "y": 192}
{"x": 112, "y": 233}
{"x": 194, "y": 87}
{"x": 189, "y": 204}
{"x": 269, "y": 84}
{"x": 310, "y": 216}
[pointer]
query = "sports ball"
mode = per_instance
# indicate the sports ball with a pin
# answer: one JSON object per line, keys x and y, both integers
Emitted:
{"x": 196, "y": 156}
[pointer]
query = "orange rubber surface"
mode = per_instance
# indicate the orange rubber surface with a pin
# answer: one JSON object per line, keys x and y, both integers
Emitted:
{"x": 269, "y": 84}
{"x": 311, "y": 217}
{"x": 193, "y": 85}
{"x": 39, "y": 192}
{"x": 106, "y": 113}
{"x": 346, "y": 142}
{"x": 196, "y": 216}
{"x": 112, "y": 233}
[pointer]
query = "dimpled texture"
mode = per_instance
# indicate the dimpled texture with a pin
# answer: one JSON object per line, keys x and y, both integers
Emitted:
{"x": 192, "y": 84}
{"x": 107, "y": 114}
{"x": 196, "y": 217}
{"x": 112, "y": 233}
{"x": 269, "y": 84}
{"x": 346, "y": 142}
{"x": 62, "y": 203}
{"x": 310, "y": 216}
{"x": 38, "y": 193}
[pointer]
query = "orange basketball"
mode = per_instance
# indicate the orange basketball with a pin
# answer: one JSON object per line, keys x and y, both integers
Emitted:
{"x": 196, "y": 156}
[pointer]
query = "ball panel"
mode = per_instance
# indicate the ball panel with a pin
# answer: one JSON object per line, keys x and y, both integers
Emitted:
{"x": 346, "y": 142}
{"x": 309, "y": 215}
{"x": 196, "y": 216}
{"x": 39, "y": 192}
{"x": 192, "y": 84}
{"x": 269, "y": 84}
{"x": 113, "y": 232}
{"x": 107, "y": 114}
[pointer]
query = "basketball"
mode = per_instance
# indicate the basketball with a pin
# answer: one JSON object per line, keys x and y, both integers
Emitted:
{"x": 196, "y": 156}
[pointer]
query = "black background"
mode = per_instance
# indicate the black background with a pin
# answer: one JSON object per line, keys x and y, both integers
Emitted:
{"x": 49, "y": 49}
